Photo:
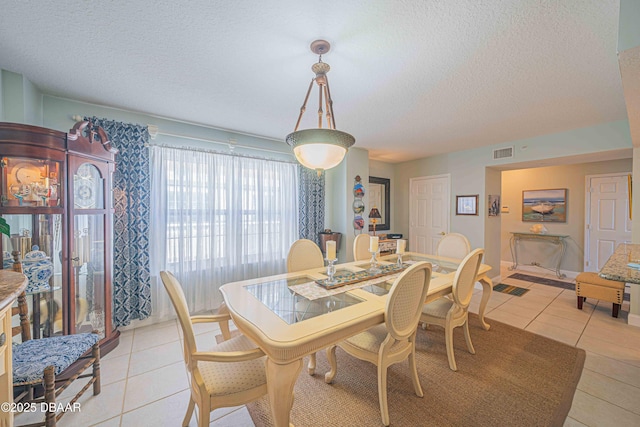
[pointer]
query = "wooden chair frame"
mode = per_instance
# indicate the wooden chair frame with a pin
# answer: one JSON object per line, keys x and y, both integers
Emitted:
{"x": 49, "y": 388}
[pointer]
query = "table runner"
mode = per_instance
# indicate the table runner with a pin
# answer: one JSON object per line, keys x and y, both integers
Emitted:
{"x": 313, "y": 291}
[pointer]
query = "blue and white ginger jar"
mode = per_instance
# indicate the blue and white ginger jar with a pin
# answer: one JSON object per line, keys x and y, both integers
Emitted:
{"x": 38, "y": 268}
{"x": 7, "y": 261}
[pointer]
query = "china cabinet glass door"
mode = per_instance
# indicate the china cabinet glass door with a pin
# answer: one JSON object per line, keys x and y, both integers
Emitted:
{"x": 32, "y": 214}
{"x": 90, "y": 258}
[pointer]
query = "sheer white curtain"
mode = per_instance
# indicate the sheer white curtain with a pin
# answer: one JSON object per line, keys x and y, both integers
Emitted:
{"x": 217, "y": 218}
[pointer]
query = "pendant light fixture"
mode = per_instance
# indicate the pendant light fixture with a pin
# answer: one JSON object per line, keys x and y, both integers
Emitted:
{"x": 320, "y": 148}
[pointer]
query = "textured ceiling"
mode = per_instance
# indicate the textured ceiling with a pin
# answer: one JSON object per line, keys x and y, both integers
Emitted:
{"x": 409, "y": 78}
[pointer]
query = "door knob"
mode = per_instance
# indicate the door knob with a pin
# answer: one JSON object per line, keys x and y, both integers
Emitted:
{"x": 442, "y": 233}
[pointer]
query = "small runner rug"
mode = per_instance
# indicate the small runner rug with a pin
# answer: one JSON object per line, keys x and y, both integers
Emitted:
{"x": 510, "y": 289}
{"x": 516, "y": 378}
{"x": 543, "y": 281}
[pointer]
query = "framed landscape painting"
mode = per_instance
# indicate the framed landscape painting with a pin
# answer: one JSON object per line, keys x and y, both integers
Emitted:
{"x": 544, "y": 205}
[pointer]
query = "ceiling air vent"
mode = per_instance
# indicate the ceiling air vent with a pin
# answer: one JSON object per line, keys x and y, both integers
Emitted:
{"x": 502, "y": 153}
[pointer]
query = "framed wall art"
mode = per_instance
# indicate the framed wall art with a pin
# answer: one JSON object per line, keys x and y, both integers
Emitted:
{"x": 544, "y": 205}
{"x": 467, "y": 205}
{"x": 494, "y": 205}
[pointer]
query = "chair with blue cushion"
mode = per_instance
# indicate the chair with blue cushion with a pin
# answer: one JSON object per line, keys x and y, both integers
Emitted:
{"x": 43, "y": 368}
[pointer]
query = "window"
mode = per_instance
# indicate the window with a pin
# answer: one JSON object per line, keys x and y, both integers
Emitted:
{"x": 218, "y": 218}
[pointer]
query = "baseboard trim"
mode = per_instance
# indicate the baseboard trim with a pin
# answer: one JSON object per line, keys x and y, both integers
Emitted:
{"x": 633, "y": 320}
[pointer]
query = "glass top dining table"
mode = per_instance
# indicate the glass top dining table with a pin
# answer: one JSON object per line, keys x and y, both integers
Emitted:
{"x": 287, "y": 325}
{"x": 281, "y": 298}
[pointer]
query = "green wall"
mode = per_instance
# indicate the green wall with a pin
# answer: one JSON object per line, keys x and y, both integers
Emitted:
{"x": 629, "y": 27}
{"x": 12, "y": 97}
{"x": 58, "y": 113}
{"x": 21, "y": 101}
{"x": 340, "y": 198}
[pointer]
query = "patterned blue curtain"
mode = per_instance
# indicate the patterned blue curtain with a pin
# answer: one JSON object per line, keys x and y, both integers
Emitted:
{"x": 310, "y": 204}
{"x": 132, "y": 190}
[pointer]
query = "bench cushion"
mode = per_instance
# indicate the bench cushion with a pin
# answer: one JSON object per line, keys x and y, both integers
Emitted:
{"x": 594, "y": 279}
{"x": 32, "y": 357}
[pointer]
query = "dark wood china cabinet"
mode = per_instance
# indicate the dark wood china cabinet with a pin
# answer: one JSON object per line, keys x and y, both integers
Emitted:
{"x": 56, "y": 211}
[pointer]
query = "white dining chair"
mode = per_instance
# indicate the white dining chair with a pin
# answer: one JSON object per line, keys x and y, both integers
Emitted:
{"x": 453, "y": 245}
{"x": 230, "y": 374}
{"x": 361, "y": 247}
{"x": 303, "y": 255}
{"x": 394, "y": 340}
{"x": 454, "y": 311}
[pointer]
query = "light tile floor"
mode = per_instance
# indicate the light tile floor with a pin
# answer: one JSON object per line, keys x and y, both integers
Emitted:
{"x": 144, "y": 382}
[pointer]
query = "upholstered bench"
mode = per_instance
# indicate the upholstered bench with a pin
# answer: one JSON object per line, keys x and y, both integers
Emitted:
{"x": 590, "y": 285}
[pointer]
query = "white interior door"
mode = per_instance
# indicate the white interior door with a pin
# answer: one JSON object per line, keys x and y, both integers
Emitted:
{"x": 608, "y": 222}
{"x": 428, "y": 212}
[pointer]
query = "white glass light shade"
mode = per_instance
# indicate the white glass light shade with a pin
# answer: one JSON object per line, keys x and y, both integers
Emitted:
{"x": 319, "y": 156}
{"x": 320, "y": 149}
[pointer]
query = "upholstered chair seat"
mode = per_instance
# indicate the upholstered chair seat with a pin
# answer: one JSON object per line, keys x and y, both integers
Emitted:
{"x": 224, "y": 379}
{"x": 32, "y": 357}
{"x": 438, "y": 308}
{"x": 371, "y": 340}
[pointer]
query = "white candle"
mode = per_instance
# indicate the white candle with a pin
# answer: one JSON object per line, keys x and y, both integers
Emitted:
{"x": 373, "y": 244}
{"x": 330, "y": 249}
{"x": 401, "y": 246}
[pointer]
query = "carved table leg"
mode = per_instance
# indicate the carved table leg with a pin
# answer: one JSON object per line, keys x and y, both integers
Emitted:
{"x": 280, "y": 382}
{"x": 487, "y": 288}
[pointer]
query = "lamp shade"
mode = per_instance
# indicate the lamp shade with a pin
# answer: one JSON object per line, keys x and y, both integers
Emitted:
{"x": 320, "y": 148}
{"x": 375, "y": 213}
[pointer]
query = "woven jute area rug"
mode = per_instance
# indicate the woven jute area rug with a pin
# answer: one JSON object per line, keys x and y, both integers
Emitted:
{"x": 516, "y": 378}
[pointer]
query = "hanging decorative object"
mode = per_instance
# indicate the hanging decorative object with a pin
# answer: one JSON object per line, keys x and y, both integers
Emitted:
{"x": 358, "y": 205}
{"x": 321, "y": 148}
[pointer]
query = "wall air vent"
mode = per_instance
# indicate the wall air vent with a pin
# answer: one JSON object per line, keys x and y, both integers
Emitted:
{"x": 503, "y": 153}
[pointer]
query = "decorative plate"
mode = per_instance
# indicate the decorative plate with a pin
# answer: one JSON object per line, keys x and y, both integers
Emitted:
{"x": 358, "y": 206}
{"x": 358, "y": 190}
{"x": 26, "y": 173}
{"x": 358, "y": 222}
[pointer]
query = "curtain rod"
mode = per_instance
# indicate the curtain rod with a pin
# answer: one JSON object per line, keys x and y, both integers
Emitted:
{"x": 231, "y": 143}
{"x": 222, "y": 153}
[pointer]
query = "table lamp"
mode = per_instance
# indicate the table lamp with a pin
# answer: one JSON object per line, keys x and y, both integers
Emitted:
{"x": 374, "y": 216}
